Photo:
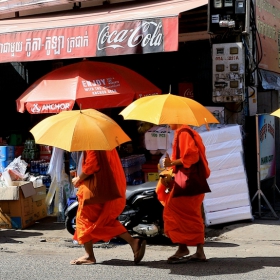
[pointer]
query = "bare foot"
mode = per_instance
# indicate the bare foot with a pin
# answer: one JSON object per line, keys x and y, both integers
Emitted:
{"x": 83, "y": 260}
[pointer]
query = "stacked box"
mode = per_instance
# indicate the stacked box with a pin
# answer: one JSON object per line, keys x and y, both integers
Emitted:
{"x": 16, "y": 205}
{"x": 22, "y": 204}
{"x": 39, "y": 202}
{"x": 7, "y": 155}
{"x": 132, "y": 166}
{"x": 229, "y": 199}
{"x": 45, "y": 152}
{"x": 151, "y": 169}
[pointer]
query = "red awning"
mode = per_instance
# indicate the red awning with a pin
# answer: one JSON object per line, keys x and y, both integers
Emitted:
{"x": 129, "y": 28}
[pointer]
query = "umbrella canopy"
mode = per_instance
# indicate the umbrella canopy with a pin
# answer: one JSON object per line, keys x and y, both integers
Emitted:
{"x": 168, "y": 109}
{"x": 276, "y": 113}
{"x": 79, "y": 130}
{"x": 90, "y": 84}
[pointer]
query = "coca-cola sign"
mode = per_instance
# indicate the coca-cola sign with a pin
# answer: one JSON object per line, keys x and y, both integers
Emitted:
{"x": 186, "y": 89}
{"x": 130, "y": 37}
{"x": 109, "y": 39}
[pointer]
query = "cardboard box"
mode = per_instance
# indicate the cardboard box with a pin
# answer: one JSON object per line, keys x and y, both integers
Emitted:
{"x": 151, "y": 174}
{"x": 151, "y": 177}
{"x": 39, "y": 203}
{"x": 16, "y": 205}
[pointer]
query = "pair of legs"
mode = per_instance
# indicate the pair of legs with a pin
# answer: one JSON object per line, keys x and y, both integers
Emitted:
{"x": 137, "y": 246}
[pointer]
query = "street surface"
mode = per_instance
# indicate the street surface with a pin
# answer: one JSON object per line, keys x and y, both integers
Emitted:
{"x": 244, "y": 250}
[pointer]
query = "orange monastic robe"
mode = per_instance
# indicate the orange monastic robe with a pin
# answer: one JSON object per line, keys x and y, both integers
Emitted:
{"x": 183, "y": 222}
{"x": 97, "y": 222}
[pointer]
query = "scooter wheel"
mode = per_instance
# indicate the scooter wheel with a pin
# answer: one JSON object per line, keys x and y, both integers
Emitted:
{"x": 70, "y": 221}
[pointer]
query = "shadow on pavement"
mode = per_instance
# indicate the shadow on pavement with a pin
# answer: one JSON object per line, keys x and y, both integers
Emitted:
{"x": 215, "y": 266}
{"x": 10, "y": 235}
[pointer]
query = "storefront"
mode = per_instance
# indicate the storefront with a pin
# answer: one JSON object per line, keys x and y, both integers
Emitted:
{"x": 149, "y": 38}
{"x": 154, "y": 38}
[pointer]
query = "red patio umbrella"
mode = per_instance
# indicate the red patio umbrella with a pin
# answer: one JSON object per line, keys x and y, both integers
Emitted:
{"x": 90, "y": 84}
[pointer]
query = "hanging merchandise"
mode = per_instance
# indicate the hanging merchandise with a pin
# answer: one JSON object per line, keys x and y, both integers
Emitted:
{"x": 63, "y": 192}
{"x": 61, "y": 188}
{"x": 158, "y": 138}
{"x": 56, "y": 163}
{"x": 51, "y": 192}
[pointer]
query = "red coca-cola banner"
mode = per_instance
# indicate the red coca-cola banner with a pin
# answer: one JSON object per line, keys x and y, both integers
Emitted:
{"x": 186, "y": 89}
{"x": 131, "y": 37}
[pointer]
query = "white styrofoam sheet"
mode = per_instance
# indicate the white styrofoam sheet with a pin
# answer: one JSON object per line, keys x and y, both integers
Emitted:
{"x": 226, "y": 202}
{"x": 229, "y": 215}
{"x": 226, "y": 161}
{"x": 224, "y": 148}
{"x": 227, "y": 188}
{"x": 223, "y": 134}
{"x": 158, "y": 138}
{"x": 227, "y": 174}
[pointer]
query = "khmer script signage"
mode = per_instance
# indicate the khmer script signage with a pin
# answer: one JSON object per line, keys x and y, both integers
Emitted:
{"x": 119, "y": 38}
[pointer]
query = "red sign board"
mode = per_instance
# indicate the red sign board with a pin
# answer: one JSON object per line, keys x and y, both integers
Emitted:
{"x": 186, "y": 90}
{"x": 268, "y": 26}
{"x": 110, "y": 39}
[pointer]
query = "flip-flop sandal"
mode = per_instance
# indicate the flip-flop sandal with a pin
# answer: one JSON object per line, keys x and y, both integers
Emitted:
{"x": 140, "y": 253}
{"x": 194, "y": 259}
{"x": 176, "y": 259}
{"x": 79, "y": 262}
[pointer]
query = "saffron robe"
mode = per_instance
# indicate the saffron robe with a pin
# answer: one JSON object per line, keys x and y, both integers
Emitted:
{"x": 97, "y": 222}
{"x": 183, "y": 221}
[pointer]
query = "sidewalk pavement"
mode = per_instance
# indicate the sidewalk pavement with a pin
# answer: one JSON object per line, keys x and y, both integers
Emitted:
{"x": 255, "y": 242}
{"x": 266, "y": 228}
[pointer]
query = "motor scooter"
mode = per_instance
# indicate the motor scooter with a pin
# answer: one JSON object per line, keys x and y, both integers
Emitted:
{"x": 142, "y": 215}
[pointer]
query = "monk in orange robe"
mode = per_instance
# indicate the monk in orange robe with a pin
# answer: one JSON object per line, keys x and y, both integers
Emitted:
{"x": 183, "y": 221}
{"x": 95, "y": 222}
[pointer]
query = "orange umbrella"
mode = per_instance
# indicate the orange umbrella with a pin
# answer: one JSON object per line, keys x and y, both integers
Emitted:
{"x": 79, "y": 130}
{"x": 90, "y": 84}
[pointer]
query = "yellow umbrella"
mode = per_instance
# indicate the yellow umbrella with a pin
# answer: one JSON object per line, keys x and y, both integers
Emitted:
{"x": 168, "y": 109}
{"x": 79, "y": 130}
{"x": 276, "y": 113}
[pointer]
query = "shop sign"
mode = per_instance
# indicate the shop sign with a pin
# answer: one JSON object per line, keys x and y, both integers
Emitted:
{"x": 110, "y": 39}
{"x": 266, "y": 143}
{"x": 186, "y": 90}
{"x": 268, "y": 26}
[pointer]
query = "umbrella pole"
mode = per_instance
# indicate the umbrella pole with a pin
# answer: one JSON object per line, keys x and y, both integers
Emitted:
{"x": 167, "y": 130}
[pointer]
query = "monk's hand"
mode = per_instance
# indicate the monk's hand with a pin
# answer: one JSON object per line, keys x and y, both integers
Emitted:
{"x": 167, "y": 161}
{"x": 76, "y": 181}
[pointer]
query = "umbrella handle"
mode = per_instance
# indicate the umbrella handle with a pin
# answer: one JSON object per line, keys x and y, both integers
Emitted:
{"x": 167, "y": 130}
